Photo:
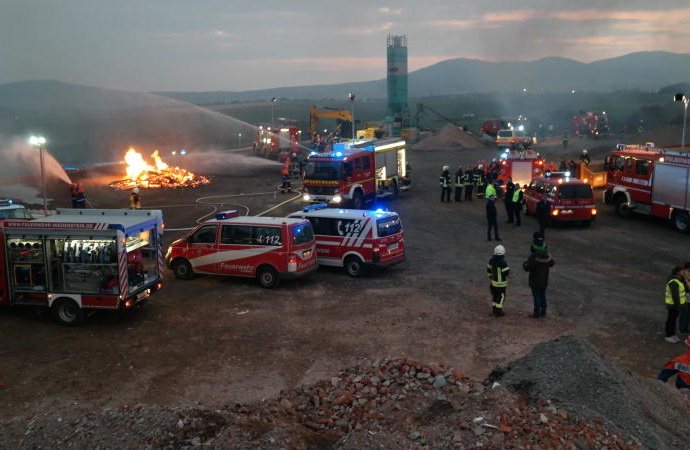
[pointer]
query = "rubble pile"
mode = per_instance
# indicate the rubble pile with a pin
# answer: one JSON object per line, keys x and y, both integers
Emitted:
{"x": 391, "y": 403}
{"x": 450, "y": 137}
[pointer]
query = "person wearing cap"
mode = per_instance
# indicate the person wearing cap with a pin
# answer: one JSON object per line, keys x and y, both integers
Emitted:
{"x": 676, "y": 297}
{"x": 680, "y": 366}
{"x": 459, "y": 183}
{"x": 444, "y": 181}
{"x": 538, "y": 265}
{"x": 134, "y": 199}
{"x": 498, "y": 271}
{"x": 491, "y": 218}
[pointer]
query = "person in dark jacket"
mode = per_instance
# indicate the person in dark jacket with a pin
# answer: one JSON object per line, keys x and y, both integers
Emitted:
{"x": 508, "y": 200}
{"x": 542, "y": 212}
{"x": 498, "y": 271}
{"x": 459, "y": 175}
{"x": 444, "y": 182}
{"x": 538, "y": 265}
{"x": 491, "y": 218}
{"x": 468, "y": 184}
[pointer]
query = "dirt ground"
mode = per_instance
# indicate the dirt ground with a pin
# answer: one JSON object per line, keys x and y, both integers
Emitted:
{"x": 215, "y": 341}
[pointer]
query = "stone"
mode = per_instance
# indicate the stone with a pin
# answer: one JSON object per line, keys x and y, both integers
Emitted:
{"x": 439, "y": 381}
{"x": 478, "y": 430}
{"x": 335, "y": 381}
{"x": 196, "y": 442}
{"x": 285, "y": 403}
{"x": 414, "y": 435}
{"x": 457, "y": 436}
{"x": 543, "y": 418}
{"x": 422, "y": 375}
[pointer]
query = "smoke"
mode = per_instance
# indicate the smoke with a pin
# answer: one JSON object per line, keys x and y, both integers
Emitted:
{"x": 214, "y": 161}
{"x": 20, "y": 159}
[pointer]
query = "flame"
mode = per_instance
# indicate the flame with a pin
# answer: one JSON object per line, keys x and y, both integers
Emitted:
{"x": 142, "y": 174}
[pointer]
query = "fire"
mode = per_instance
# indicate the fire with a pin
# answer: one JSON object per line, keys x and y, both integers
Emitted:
{"x": 144, "y": 175}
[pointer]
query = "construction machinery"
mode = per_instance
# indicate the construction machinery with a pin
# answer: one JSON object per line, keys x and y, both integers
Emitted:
{"x": 343, "y": 119}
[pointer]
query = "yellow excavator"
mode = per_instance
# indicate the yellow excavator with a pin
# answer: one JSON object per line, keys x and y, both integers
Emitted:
{"x": 341, "y": 115}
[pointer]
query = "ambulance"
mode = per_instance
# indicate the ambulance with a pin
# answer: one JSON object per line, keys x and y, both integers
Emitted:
{"x": 355, "y": 239}
{"x": 266, "y": 248}
{"x": 569, "y": 199}
{"x": 81, "y": 260}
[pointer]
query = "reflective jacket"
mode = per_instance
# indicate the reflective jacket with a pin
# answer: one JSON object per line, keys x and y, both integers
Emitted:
{"x": 459, "y": 176}
{"x": 491, "y": 190}
{"x": 497, "y": 270}
{"x": 444, "y": 179}
{"x": 680, "y": 366}
{"x": 517, "y": 196}
{"x": 134, "y": 202}
{"x": 468, "y": 178}
{"x": 675, "y": 292}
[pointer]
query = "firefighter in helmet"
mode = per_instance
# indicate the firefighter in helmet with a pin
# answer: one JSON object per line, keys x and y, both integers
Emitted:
{"x": 584, "y": 157}
{"x": 444, "y": 182}
{"x": 134, "y": 199}
{"x": 285, "y": 176}
{"x": 458, "y": 183}
{"x": 73, "y": 194}
{"x": 80, "y": 197}
{"x": 498, "y": 271}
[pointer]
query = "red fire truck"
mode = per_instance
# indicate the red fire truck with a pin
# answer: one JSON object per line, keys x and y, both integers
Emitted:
{"x": 590, "y": 124}
{"x": 355, "y": 239}
{"x": 278, "y": 142}
{"x": 521, "y": 166}
{"x": 648, "y": 180}
{"x": 356, "y": 172}
{"x": 81, "y": 259}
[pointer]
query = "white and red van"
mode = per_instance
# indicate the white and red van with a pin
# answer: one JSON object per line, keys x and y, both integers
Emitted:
{"x": 266, "y": 248}
{"x": 569, "y": 199}
{"x": 355, "y": 238}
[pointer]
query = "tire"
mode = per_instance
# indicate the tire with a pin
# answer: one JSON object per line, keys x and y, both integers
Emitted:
{"x": 681, "y": 221}
{"x": 183, "y": 270}
{"x": 67, "y": 312}
{"x": 267, "y": 277}
{"x": 353, "y": 266}
{"x": 357, "y": 200}
{"x": 607, "y": 197}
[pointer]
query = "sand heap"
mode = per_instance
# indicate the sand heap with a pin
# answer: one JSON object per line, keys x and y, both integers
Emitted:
{"x": 450, "y": 137}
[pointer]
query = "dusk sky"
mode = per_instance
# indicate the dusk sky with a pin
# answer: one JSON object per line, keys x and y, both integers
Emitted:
{"x": 156, "y": 45}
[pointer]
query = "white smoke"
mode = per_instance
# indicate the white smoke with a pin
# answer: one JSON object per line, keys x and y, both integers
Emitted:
{"x": 21, "y": 160}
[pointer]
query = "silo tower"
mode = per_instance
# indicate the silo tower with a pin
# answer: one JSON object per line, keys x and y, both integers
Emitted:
{"x": 398, "y": 109}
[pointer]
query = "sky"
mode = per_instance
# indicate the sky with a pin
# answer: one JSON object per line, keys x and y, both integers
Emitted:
{"x": 232, "y": 45}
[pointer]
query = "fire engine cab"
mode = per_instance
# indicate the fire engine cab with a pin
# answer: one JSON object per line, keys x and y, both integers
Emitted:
{"x": 648, "y": 180}
{"x": 265, "y": 248}
{"x": 356, "y": 172}
{"x": 569, "y": 199}
{"x": 81, "y": 259}
{"x": 521, "y": 166}
{"x": 355, "y": 239}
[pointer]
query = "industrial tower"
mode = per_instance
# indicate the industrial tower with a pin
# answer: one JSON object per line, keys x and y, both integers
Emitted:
{"x": 398, "y": 109}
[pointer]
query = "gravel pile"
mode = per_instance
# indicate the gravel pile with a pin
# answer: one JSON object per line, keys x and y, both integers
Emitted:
{"x": 575, "y": 376}
{"x": 449, "y": 137}
{"x": 392, "y": 403}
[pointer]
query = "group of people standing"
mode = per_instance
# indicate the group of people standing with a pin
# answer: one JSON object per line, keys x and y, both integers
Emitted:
{"x": 465, "y": 181}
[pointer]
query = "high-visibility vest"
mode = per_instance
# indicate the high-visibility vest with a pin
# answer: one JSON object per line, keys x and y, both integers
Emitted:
{"x": 459, "y": 179}
{"x": 491, "y": 190}
{"x": 444, "y": 180}
{"x": 681, "y": 291}
{"x": 516, "y": 195}
{"x": 134, "y": 202}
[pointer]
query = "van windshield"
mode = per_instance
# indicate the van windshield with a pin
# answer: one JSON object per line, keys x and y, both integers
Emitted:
{"x": 505, "y": 133}
{"x": 15, "y": 213}
{"x": 575, "y": 191}
{"x": 388, "y": 226}
{"x": 323, "y": 170}
{"x": 302, "y": 233}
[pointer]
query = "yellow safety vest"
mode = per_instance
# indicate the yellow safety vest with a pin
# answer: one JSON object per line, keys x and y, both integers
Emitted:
{"x": 681, "y": 291}
{"x": 490, "y": 190}
{"x": 516, "y": 196}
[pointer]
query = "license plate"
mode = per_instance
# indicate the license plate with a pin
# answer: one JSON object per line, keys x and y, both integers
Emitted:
{"x": 306, "y": 253}
{"x": 566, "y": 211}
{"x": 143, "y": 295}
{"x": 393, "y": 246}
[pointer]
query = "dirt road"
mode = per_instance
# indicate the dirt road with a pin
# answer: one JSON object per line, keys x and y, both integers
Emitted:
{"x": 217, "y": 341}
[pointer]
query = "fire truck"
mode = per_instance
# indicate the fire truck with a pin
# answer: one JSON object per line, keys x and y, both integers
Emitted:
{"x": 590, "y": 124}
{"x": 278, "y": 142}
{"x": 81, "y": 259}
{"x": 648, "y": 180}
{"x": 356, "y": 172}
{"x": 521, "y": 166}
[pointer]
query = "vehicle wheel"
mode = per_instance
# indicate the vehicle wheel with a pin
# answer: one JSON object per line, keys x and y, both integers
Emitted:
{"x": 622, "y": 209}
{"x": 353, "y": 266}
{"x": 183, "y": 270}
{"x": 607, "y": 197}
{"x": 396, "y": 191}
{"x": 67, "y": 312}
{"x": 267, "y": 277}
{"x": 357, "y": 200}
{"x": 681, "y": 220}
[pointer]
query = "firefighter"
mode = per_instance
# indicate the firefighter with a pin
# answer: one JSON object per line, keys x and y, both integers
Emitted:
{"x": 516, "y": 200}
{"x": 134, "y": 199}
{"x": 563, "y": 165}
{"x": 444, "y": 181}
{"x": 468, "y": 181}
{"x": 80, "y": 197}
{"x": 508, "y": 200}
{"x": 676, "y": 297}
{"x": 408, "y": 173}
{"x": 285, "y": 176}
{"x": 584, "y": 157}
{"x": 458, "y": 183}
{"x": 551, "y": 167}
{"x": 498, "y": 271}
{"x": 679, "y": 365}
{"x": 491, "y": 218}
{"x": 73, "y": 194}
{"x": 480, "y": 180}
{"x": 565, "y": 139}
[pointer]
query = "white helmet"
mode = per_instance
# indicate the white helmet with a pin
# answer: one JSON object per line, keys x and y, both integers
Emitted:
{"x": 499, "y": 250}
{"x": 135, "y": 190}
{"x": 584, "y": 150}
{"x": 446, "y": 167}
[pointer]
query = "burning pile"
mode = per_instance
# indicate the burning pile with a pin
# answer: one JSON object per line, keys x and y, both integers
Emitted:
{"x": 143, "y": 175}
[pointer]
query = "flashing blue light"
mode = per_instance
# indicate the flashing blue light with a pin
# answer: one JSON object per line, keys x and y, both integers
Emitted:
{"x": 379, "y": 211}
{"x": 183, "y": 152}
{"x": 227, "y": 214}
{"x": 315, "y": 207}
{"x": 338, "y": 154}
{"x": 567, "y": 174}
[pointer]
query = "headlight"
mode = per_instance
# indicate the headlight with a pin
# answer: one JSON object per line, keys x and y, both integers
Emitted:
{"x": 306, "y": 197}
{"x": 337, "y": 199}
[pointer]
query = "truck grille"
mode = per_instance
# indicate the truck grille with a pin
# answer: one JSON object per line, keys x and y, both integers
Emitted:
{"x": 321, "y": 190}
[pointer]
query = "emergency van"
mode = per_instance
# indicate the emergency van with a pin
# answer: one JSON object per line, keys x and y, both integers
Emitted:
{"x": 81, "y": 259}
{"x": 11, "y": 210}
{"x": 266, "y": 248}
{"x": 521, "y": 166}
{"x": 355, "y": 239}
{"x": 569, "y": 199}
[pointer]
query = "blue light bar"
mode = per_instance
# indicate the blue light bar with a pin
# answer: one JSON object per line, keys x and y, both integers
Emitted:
{"x": 227, "y": 214}
{"x": 315, "y": 207}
